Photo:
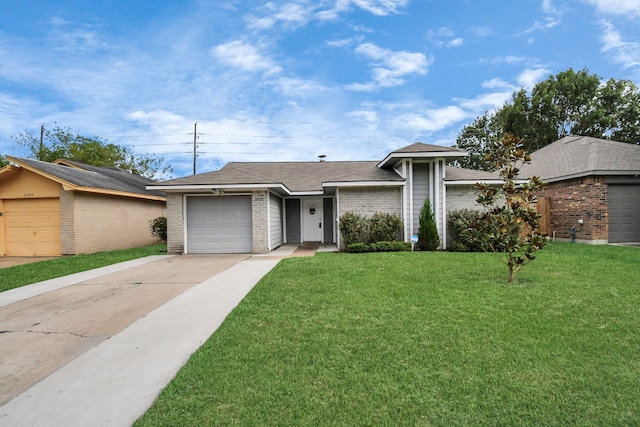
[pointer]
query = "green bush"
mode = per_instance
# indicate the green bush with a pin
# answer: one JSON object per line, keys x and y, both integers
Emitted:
{"x": 384, "y": 228}
{"x": 462, "y": 225}
{"x": 379, "y": 247}
{"x": 360, "y": 232}
{"x": 353, "y": 228}
{"x": 428, "y": 239}
{"x": 158, "y": 228}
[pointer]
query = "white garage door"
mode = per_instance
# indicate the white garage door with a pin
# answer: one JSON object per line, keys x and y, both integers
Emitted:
{"x": 624, "y": 213}
{"x": 219, "y": 225}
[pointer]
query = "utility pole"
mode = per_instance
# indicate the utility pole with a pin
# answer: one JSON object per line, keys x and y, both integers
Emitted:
{"x": 195, "y": 147}
{"x": 41, "y": 142}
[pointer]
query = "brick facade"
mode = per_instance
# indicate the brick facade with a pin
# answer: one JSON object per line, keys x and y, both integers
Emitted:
{"x": 175, "y": 223}
{"x": 585, "y": 199}
{"x": 93, "y": 223}
{"x": 260, "y": 221}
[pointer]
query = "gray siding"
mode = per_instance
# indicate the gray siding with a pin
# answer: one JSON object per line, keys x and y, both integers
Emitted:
{"x": 420, "y": 192}
{"x": 292, "y": 207}
{"x": 275, "y": 221}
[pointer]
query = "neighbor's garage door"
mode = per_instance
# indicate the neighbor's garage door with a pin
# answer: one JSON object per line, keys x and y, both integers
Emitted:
{"x": 219, "y": 225}
{"x": 32, "y": 227}
{"x": 624, "y": 213}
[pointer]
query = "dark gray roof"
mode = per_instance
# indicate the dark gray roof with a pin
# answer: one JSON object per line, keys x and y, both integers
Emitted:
{"x": 575, "y": 156}
{"x": 420, "y": 147}
{"x": 462, "y": 174}
{"x": 296, "y": 176}
{"x": 103, "y": 178}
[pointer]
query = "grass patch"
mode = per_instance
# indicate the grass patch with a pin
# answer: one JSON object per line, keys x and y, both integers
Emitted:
{"x": 423, "y": 339}
{"x": 20, "y": 275}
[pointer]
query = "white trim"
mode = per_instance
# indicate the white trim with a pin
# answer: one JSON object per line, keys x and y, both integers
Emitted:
{"x": 337, "y": 216}
{"x": 210, "y": 187}
{"x": 268, "y": 220}
{"x": 436, "y": 184}
{"x": 444, "y": 209}
{"x": 410, "y": 164}
{"x": 424, "y": 155}
{"x": 405, "y": 236}
{"x": 362, "y": 184}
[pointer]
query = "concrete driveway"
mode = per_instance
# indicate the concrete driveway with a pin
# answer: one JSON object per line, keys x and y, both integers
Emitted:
{"x": 95, "y": 348}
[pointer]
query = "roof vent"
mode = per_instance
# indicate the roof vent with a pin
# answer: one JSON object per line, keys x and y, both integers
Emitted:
{"x": 322, "y": 157}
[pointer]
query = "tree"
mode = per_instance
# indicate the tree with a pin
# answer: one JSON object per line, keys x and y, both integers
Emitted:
{"x": 428, "y": 239}
{"x": 569, "y": 103}
{"x": 62, "y": 143}
{"x": 3, "y": 161}
{"x": 510, "y": 225}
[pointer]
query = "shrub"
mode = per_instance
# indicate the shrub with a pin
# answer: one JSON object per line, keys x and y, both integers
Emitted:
{"x": 363, "y": 232}
{"x": 428, "y": 239}
{"x": 353, "y": 228}
{"x": 379, "y": 247}
{"x": 158, "y": 228}
{"x": 461, "y": 223}
{"x": 384, "y": 227}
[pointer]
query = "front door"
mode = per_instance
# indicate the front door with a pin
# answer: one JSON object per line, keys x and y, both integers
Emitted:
{"x": 312, "y": 216}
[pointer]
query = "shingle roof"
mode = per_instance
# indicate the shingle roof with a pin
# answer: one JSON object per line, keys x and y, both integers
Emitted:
{"x": 575, "y": 156}
{"x": 296, "y": 176}
{"x": 420, "y": 147}
{"x": 88, "y": 176}
{"x": 421, "y": 150}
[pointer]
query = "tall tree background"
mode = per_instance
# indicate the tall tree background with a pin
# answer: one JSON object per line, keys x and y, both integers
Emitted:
{"x": 568, "y": 103}
{"x": 59, "y": 142}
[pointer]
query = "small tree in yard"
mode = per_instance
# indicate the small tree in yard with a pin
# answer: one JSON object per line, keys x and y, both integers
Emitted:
{"x": 510, "y": 226}
{"x": 158, "y": 228}
{"x": 428, "y": 239}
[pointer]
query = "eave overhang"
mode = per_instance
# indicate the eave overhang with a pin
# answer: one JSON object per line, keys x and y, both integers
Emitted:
{"x": 394, "y": 158}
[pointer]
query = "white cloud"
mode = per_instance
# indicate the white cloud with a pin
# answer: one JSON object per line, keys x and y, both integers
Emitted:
{"x": 497, "y": 83}
{"x": 624, "y": 52}
{"x": 390, "y": 67}
{"x": 629, "y": 8}
{"x": 444, "y": 36}
{"x": 432, "y": 120}
{"x": 548, "y": 23}
{"x": 244, "y": 56}
{"x": 529, "y": 77}
{"x": 376, "y": 7}
{"x": 291, "y": 14}
{"x": 455, "y": 42}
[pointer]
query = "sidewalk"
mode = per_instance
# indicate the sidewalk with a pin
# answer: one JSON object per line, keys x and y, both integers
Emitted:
{"x": 115, "y": 382}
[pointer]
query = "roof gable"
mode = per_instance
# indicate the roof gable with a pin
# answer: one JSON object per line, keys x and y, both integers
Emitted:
{"x": 90, "y": 178}
{"x": 422, "y": 150}
{"x": 575, "y": 156}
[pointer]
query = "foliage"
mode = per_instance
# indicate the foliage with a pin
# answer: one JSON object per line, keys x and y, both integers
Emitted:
{"x": 62, "y": 143}
{"x": 382, "y": 246}
{"x": 352, "y": 228}
{"x": 387, "y": 339}
{"x": 26, "y": 274}
{"x": 460, "y": 225}
{"x": 380, "y": 227}
{"x": 428, "y": 239}
{"x": 510, "y": 226}
{"x": 569, "y": 103}
{"x": 3, "y": 161}
{"x": 384, "y": 227}
{"x": 158, "y": 227}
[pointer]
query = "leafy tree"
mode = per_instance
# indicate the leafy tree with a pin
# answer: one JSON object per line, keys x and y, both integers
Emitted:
{"x": 158, "y": 228}
{"x": 428, "y": 239}
{"x": 510, "y": 225}
{"x": 569, "y": 103}
{"x": 3, "y": 161}
{"x": 62, "y": 143}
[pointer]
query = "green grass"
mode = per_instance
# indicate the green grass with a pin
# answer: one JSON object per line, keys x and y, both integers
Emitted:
{"x": 423, "y": 339}
{"x": 20, "y": 275}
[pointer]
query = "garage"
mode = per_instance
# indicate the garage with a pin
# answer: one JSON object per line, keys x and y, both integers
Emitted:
{"x": 32, "y": 227}
{"x": 218, "y": 224}
{"x": 624, "y": 213}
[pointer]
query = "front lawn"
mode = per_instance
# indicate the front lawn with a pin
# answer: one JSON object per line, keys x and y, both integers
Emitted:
{"x": 20, "y": 275}
{"x": 423, "y": 339}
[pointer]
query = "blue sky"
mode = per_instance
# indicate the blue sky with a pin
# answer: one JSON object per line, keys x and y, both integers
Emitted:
{"x": 290, "y": 80}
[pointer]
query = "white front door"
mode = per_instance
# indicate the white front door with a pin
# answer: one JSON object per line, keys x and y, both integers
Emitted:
{"x": 312, "y": 218}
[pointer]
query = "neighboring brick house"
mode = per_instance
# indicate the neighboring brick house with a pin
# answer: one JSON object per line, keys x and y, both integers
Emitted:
{"x": 593, "y": 187}
{"x": 254, "y": 207}
{"x": 68, "y": 208}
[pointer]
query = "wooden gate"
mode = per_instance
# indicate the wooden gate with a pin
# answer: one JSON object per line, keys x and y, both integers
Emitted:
{"x": 543, "y": 207}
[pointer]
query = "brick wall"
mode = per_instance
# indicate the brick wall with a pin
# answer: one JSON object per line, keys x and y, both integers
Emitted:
{"x": 175, "y": 223}
{"x": 462, "y": 197}
{"x": 260, "y": 222}
{"x": 586, "y": 199}
{"x": 103, "y": 223}
{"x": 67, "y": 223}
